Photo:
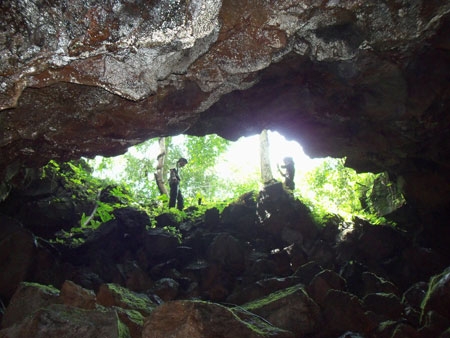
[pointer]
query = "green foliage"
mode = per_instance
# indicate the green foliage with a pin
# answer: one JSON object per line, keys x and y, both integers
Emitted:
{"x": 334, "y": 188}
{"x": 77, "y": 180}
{"x": 330, "y": 188}
{"x": 198, "y": 176}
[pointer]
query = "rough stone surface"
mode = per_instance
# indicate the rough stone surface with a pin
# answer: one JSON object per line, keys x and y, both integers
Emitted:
{"x": 58, "y": 320}
{"x": 365, "y": 80}
{"x": 437, "y": 298}
{"x": 17, "y": 253}
{"x": 196, "y": 319}
{"x": 74, "y": 295}
{"x": 27, "y": 299}
{"x": 291, "y": 309}
{"x": 338, "y": 297}
{"x": 344, "y": 312}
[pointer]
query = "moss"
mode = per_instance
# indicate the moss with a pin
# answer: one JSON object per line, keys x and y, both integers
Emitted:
{"x": 255, "y": 323}
{"x": 50, "y": 289}
{"x": 250, "y": 320}
{"x": 272, "y": 297}
{"x": 135, "y": 316}
{"x": 124, "y": 332}
{"x": 434, "y": 281}
{"x": 132, "y": 300}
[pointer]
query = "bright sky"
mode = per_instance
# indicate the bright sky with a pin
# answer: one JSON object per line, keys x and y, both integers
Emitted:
{"x": 243, "y": 156}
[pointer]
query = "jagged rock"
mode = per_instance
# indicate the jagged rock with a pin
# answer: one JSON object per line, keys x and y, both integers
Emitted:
{"x": 352, "y": 272}
{"x": 415, "y": 294}
{"x": 34, "y": 302}
{"x": 166, "y": 289}
{"x": 212, "y": 217}
{"x": 322, "y": 283}
{"x": 307, "y": 271}
{"x": 259, "y": 267}
{"x": 323, "y": 254}
{"x": 167, "y": 219}
{"x": 434, "y": 324}
{"x": 437, "y": 298}
{"x": 344, "y": 312}
{"x": 371, "y": 243}
{"x": 297, "y": 254}
{"x": 43, "y": 205}
{"x": 57, "y": 320}
{"x": 158, "y": 245}
{"x": 216, "y": 282}
{"x": 386, "y": 305}
{"x": 241, "y": 216}
{"x": 132, "y": 221}
{"x": 392, "y": 329}
{"x": 17, "y": 255}
{"x": 291, "y": 214}
{"x": 74, "y": 295}
{"x": 420, "y": 263}
{"x": 412, "y": 300}
{"x": 291, "y": 309}
{"x": 132, "y": 319}
{"x": 134, "y": 277}
{"x": 229, "y": 252}
{"x": 195, "y": 319}
{"x": 282, "y": 262}
{"x": 28, "y": 298}
{"x": 376, "y": 284}
{"x": 116, "y": 295}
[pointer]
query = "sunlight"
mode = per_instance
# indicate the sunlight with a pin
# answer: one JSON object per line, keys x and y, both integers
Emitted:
{"x": 242, "y": 157}
{"x": 239, "y": 163}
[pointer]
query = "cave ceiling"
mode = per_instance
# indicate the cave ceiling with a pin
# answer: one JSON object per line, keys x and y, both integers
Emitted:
{"x": 368, "y": 80}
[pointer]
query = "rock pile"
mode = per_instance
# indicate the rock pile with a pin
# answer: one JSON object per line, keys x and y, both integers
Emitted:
{"x": 260, "y": 268}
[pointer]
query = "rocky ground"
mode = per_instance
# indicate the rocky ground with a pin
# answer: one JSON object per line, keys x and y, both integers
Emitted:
{"x": 260, "y": 268}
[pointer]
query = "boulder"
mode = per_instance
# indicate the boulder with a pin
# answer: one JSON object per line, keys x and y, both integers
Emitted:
{"x": 343, "y": 312}
{"x": 28, "y": 298}
{"x": 115, "y": 295}
{"x": 58, "y": 320}
{"x": 323, "y": 282}
{"x": 199, "y": 319}
{"x": 74, "y": 295}
{"x": 437, "y": 298}
{"x": 387, "y": 306}
{"x": 290, "y": 309}
{"x": 17, "y": 255}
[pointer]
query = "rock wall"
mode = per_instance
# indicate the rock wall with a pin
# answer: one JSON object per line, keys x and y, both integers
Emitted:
{"x": 365, "y": 80}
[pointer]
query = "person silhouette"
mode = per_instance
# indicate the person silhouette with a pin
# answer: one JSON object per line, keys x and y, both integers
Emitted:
{"x": 175, "y": 195}
{"x": 288, "y": 173}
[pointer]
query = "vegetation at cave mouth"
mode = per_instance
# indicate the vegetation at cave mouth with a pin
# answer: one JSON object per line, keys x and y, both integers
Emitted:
{"x": 328, "y": 189}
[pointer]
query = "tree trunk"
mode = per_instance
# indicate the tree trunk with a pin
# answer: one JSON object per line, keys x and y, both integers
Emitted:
{"x": 160, "y": 172}
{"x": 266, "y": 170}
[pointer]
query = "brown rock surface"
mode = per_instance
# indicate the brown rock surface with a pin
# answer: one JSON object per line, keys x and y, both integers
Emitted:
{"x": 58, "y": 320}
{"x": 197, "y": 319}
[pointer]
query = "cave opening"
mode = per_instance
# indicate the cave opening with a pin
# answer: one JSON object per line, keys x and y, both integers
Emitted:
{"x": 222, "y": 170}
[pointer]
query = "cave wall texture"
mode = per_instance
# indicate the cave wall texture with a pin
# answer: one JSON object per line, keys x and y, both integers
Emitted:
{"x": 368, "y": 80}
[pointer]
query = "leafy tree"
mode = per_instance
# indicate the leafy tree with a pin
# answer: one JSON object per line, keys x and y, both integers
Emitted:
{"x": 141, "y": 163}
{"x": 328, "y": 188}
{"x": 199, "y": 180}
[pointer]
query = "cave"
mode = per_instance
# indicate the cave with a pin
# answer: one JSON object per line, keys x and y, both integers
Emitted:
{"x": 368, "y": 81}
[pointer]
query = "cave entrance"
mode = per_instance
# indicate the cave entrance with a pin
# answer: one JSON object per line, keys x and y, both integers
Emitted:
{"x": 221, "y": 170}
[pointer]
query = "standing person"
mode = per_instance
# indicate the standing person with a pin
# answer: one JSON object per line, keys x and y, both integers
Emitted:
{"x": 289, "y": 172}
{"x": 174, "y": 182}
